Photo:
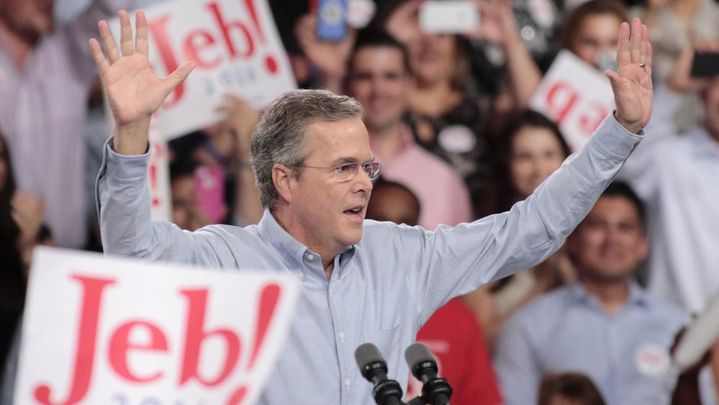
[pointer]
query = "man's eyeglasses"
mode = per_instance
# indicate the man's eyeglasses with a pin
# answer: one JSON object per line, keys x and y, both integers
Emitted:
{"x": 347, "y": 171}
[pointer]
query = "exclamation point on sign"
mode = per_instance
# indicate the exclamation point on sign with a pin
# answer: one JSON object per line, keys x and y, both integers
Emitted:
{"x": 270, "y": 61}
{"x": 269, "y": 299}
{"x": 153, "y": 185}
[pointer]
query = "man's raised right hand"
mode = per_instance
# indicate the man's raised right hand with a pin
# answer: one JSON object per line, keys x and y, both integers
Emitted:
{"x": 132, "y": 88}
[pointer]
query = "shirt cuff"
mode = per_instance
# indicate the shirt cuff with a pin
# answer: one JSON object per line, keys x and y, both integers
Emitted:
{"x": 614, "y": 140}
{"x": 126, "y": 166}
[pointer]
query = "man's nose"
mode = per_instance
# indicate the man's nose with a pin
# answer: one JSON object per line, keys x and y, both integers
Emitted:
{"x": 362, "y": 181}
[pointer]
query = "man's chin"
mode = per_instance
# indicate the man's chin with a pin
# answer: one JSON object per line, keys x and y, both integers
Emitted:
{"x": 353, "y": 238}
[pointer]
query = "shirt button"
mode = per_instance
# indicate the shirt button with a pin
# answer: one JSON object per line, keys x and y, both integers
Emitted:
{"x": 309, "y": 256}
{"x": 341, "y": 336}
{"x": 301, "y": 275}
{"x": 348, "y": 383}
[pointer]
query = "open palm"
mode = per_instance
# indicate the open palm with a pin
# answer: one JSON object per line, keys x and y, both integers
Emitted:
{"x": 632, "y": 82}
{"x": 133, "y": 90}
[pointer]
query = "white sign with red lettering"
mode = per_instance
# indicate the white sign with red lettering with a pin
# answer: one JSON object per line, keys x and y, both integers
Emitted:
{"x": 121, "y": 331}
{"x": 235, "y": 47}
{"x": 576, "y": 96}
{"x": 159, "y": 177}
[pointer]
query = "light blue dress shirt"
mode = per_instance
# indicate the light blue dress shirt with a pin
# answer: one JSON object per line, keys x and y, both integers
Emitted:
{"x": 625, "y": 354}
{"x": 383, "y": 288}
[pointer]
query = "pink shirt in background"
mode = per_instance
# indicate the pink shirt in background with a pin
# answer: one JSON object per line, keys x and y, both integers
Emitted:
{"x": 442, "y": 194}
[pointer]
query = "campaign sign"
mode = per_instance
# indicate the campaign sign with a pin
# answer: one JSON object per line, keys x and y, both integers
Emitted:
{"x": 122, "y": 331}
{"x": 235, "y": 47}
{"x": 159, "y": 177}
{"x": 576, "y": 96}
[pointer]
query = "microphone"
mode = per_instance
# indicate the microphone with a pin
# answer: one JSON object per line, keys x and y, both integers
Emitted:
{"x": 374, "y": 369}
{"x": 700, "y": 336}
{"x": 421, "y": 362}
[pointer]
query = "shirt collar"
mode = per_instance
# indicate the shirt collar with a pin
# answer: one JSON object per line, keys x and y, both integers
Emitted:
{"x": 637, "y": 296}
{"x": 271, "y": 231}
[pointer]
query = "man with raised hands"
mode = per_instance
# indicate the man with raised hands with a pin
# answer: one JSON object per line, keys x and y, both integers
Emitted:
{"x": 362, "y": 281}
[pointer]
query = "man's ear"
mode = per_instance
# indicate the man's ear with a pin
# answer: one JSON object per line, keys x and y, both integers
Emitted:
{"x": 282, "y": 177}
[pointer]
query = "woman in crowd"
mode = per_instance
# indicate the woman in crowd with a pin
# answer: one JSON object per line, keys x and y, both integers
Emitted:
{"x": 12, "y": 277}
{"x": 531, "y": 148}
{"x": 673, "y": 25}
{"x": 590, "y": 32}
{"x": 457, "y": 98}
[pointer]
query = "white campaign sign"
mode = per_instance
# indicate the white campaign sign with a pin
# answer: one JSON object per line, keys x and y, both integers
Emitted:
{"x": 121, "y": 331}
{"x": 235, "y": 47}
{"x": 576, "y": 96}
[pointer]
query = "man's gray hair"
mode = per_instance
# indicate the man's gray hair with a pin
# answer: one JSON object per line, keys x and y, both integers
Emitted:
{"x": 279, "y": 135}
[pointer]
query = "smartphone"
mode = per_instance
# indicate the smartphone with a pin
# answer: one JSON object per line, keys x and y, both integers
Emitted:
{"x": 331, "y": 20}
{"x": 705, "y": 64}
{"x": 210, "y": 192}
{"x": 448, "y": 16}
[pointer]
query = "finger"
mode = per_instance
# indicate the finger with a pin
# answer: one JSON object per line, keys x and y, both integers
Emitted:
{"x": 99, "y": 57}
{"x": 140, "y": 33}
{"x": 623, "y": 57}
{"x": 644, "y": 43}
{"x": 125, "y": 34}
{"x": 108, "y": 42}
{"x": 178, "y": 76}
{"x": 635, "y": 39}
{"x": 648, "y": 58}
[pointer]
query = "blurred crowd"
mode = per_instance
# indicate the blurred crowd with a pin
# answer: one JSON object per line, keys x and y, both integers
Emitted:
{"x": 448, "y": 117}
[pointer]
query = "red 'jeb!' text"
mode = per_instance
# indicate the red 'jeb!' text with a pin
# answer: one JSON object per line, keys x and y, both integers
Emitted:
{"x": 227, "y": 39}
{"x": 120, "y": 345}
{"x": 563, "y": 101}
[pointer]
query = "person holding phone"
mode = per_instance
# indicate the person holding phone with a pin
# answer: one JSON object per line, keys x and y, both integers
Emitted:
{"x": 678, "y": 173}
{"x": 674, "y": 25}
{"x": 455, "y": 103}
{"x": 314, "y": 167}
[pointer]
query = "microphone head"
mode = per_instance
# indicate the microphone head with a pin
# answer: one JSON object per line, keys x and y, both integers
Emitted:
{"x": 421, "y": 361}
{"x": 370, "y": 361}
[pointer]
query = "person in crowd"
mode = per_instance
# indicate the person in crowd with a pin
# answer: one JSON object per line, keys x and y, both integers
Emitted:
{"x": 531, "y": 148}
{"x": 590, "y": 32}
{"x": 604, "y": 325}
{"x": 452, "y": 110}
{"x": 186, "y": 212}
{"x": 451, "y": 333}
{"x": 21, "y": 229}
{"x": 394, "y": 202}
{"x": 683, "y": 219}
{"x": 363, "y": 281}
{"x": 380, "y": 80}
{"x": 538, "y": 24}
{"x": 45, "y": 75}
{"x": 219, "y": 154}
{"x": 676, "y": 28}
{"x": 12, "y": 275}
{"x": 673, "y": 26}
{"x": 569, "y": 389}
